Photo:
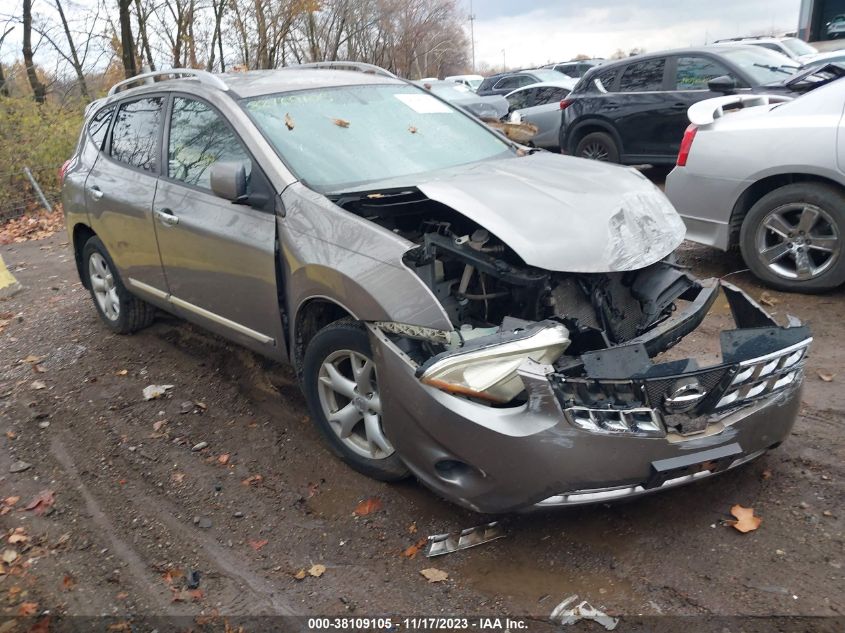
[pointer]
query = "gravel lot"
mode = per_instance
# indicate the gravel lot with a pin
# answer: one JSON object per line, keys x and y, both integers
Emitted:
{"x": 135, "y": 509}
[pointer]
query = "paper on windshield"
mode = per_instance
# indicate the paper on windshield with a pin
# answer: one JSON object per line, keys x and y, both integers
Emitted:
{"x": 423, "y": 103}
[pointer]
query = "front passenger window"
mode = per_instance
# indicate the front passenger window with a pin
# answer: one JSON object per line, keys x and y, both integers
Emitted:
{"x": 199, "y": 137}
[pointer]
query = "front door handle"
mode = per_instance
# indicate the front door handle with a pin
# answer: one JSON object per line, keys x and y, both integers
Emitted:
{"x": 166, "y": 217}
{"x": 96, "y": 192}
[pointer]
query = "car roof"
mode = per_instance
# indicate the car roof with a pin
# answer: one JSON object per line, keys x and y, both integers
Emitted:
{"x": 254, "y": 83}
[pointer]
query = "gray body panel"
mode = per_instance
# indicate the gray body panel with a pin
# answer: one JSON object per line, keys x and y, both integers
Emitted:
{"x": 547, "y": 118}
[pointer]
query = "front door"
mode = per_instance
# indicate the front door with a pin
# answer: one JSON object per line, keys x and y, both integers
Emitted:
{"x": 218, "y": 256}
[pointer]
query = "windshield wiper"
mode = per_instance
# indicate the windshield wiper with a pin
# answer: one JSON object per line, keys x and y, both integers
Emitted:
{"x": 777, "y": 69}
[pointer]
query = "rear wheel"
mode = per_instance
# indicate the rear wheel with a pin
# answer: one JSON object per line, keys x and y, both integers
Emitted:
{"x": 792, "y": 238}
{"x": 341, "y": 386}
{"x": 598, "y": 146}
{"x": 120, "y": 310}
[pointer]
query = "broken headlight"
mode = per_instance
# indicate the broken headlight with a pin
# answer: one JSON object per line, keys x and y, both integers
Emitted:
{"x": 486, "y": 368}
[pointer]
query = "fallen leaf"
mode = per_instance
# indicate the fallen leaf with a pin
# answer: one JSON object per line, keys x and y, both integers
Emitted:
{"x": 158, "y": 424}
{"x": 826, "y": 376}
{"x": 414, "y": 549}
{"x": 38, "y": 385}
{"x": 68, "y": 582}
{"x": 9, "y": 556}
{"x": 434, "y": 575}
{"x": 152, "y": 392}
{"x": 122, "y": 372}
{"x": 10, "y": 501}
{"x": 412, "y": 129}
{"x": 38, "y": 369}
{"x": 11, "y": 435}
{"x": 368, "y": 506}
{"x": 43, "y": 501}
{"x": 27, "y": 608}
{"x": 172, "y": 574}
{"x": 288, "y": 121}
{"x": 122, "y": 595}
{"x": 745, "y": 519}
{"x": 767, "y": 474}
{"x": 123, "y": 625}
{"x": 300, "y": 575}
{"x": 252, "y": 479}
{"x": 32, "y": 359}
{"x": 341, "y": 122}
{"x": 18, "y": 536}
{"x": 768, "y": 300}
{"x": 188, "y": 595}
{"x": 257, "y": 545}
{"x": 223, "y": 459}
{"x": 177, "y": 478}
{"x": 317, "y": 570}
{"x": 313, "y": 489}
{"x": 412, "y": 529}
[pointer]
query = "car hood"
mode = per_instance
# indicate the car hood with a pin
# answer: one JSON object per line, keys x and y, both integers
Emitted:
{"x": 561, "y": 213}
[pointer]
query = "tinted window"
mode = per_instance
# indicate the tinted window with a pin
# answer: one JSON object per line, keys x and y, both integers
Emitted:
{"x": 510, "y": 83}
{"x": 643, "y": 76}
{"x": 604, "y": 80}
{"x": 569, "y": 70}
{"x": 199, "y": 137}
{"x": 99, "y": 125}
{"x": 549, "y": 94}
{"x": 135, "y": 134}
{"x": 519, "y": 99}
{"x": 770, "y": 45}
{"x": 694, "y": 72}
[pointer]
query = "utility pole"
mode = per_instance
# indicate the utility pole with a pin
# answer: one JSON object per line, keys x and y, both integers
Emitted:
{"x": 472, "y": 33}
{"x": 504, "y": 63}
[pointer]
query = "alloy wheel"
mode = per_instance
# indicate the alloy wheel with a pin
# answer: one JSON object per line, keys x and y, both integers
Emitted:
{"x": 348, "y": 391}
{"x": 103, "y": 286}
{"x": 798, "y": 241}
{"x": 595, "y": 151}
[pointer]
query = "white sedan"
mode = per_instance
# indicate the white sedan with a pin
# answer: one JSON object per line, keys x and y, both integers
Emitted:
{"x": 767, "y": 174}
{"x": 540, "y": 104}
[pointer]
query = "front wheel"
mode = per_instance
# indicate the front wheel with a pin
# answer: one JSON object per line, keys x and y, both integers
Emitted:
{"x": 341, "y": 387}
{"x": 598, "y": 146}
{"x": 792, "y": 238}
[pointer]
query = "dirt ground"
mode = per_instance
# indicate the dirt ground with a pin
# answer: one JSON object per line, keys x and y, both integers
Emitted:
{"x": 131, "y": 504}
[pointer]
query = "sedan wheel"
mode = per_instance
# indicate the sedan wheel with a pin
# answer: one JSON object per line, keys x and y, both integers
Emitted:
{"x": 798, "y": 241}
{"x": 349, "y": 396}
{"x": 103, "y": 286}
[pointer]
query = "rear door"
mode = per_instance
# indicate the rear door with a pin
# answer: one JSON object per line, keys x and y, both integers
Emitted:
{"x": 219, "y": 257}
{"x": 120, "y": 190}
{"x": 644, "y": 109}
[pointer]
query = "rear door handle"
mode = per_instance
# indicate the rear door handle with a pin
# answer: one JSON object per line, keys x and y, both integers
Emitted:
{"x": 96, "y": 192}
{"x": 166, "y": 217}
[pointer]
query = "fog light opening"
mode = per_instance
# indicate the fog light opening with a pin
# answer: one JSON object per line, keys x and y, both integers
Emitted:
{"x": 456, "y": 472}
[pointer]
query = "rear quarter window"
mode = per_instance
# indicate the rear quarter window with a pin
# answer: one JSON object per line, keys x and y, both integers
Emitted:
{"x": 98, "y": 126}
{"x": 644, "y": 76}
{"x": 136, "y": 132}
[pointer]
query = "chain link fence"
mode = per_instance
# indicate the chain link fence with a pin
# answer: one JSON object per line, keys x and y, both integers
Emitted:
{"x": 18, "y": 195}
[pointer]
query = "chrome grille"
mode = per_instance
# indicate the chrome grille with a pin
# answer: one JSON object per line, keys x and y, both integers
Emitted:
{"x": 766, "y": 375}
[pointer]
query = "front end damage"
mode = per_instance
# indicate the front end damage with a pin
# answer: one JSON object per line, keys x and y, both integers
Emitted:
{"x": 575, "y": 400}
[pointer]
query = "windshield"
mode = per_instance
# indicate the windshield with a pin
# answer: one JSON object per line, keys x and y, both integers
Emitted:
{"x": 798, "y": 47}
{"x": 764, "y": 66}
{"x": 474, "y": 83}
{"x": 336, "y": 138}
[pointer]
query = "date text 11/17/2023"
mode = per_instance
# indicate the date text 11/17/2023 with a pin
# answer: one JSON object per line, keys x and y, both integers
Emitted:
{"x": 417, "y": 623}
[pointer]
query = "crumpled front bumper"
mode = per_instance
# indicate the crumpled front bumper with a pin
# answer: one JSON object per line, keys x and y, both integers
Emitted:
{"x": 542, "y": 454}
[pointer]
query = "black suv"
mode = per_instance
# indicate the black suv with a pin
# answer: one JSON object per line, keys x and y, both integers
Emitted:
{"x": 503, "y": 83}
{"x": 635, "y": 110}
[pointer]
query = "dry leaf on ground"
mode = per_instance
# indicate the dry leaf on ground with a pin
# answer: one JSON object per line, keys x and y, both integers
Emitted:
{"x": 18, "y": 536}
{"x": 414, "y": 549}
{"x": 317, "y": 570}
{"x": 153, "y": 392}
{"x": 368, "y": 506}
{"x": 188, "y": 595}
{"x": 27, "y": 608}
{"x": 68, "y": 582}
{"x": 826, "y": 376}
{"x": 434, "y": 575}
{"x": 38, "y": 385}
{"x": 122, "y": 372}
{"x": 252, "y": 479}
{"x": 257, "y": 545}
{"x": 768, "y": 300}
{"x": 42, "y": 502}
{"x": 9, "y": 556}
{"x": 300, "y": 575}
{"x": 745, "y": 519}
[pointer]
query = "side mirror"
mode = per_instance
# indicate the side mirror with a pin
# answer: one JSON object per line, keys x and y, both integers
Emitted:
{"x": 724, "y": 84}
{"x": 228, "y": 181}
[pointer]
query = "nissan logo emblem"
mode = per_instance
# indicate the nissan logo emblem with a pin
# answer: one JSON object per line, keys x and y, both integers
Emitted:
{"x": 683, "y": 396}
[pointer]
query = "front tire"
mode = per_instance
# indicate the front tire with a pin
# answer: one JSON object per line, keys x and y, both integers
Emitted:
{"x": 119, "y": 309}
{"x": 792, "y": 238}
{"x": 341, "y": 387}
{"x": 598, "y": 146}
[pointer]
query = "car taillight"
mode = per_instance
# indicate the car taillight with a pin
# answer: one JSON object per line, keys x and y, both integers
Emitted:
{"x": 63, "y": 170}
{"x": 686, "y": 145}
{"x": 565, "y": 103}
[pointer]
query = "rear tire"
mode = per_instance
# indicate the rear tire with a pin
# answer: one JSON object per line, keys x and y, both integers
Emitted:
{"x": 793, "y": 238}
{"x": 340, "y": 382}
{"x": 598, "y": 146}
{"x": 119, "y": 309}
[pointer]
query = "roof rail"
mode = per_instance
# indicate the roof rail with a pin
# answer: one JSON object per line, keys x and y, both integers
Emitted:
{"x": 192, "y": 73}
{"x": 341, "y": 65}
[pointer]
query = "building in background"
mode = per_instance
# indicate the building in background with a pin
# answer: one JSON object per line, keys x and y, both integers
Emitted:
{"x": 817, "y": 20}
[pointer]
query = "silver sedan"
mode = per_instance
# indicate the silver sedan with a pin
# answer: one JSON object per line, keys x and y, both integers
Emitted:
{"x": 766, "y": 174}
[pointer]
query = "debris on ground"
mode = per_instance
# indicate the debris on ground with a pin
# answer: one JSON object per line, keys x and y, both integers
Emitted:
{"x": 413, "y": 550}
{"x": 745, "y": 519}
{"x": 434, "y": 575}
{"x": 19, "y": 466}
{"x": 258, "y": 544}
{"x": 317, "y": 570}
{"x": 564, "y": 614}
{"x": 42, "y": 502}
{"x": 826, "y": 377}
{"x": 152, "y": 392}
{"x": 768, "y": 300}
{"x": 368, "y": 506}
{"x": 193, "y": 579}
{"x": 440, "y": 544}
{"x": 32, "y": 226}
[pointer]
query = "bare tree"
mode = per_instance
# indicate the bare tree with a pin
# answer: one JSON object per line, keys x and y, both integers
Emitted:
{"x": 142, "y": 16}
{"x": 127, "y": 43}
{"x": 39, "y": 91}
{"x": 4, "y": 89}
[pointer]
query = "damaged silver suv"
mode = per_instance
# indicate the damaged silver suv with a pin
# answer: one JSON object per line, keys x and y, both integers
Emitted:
{"x": 482, "y": 316}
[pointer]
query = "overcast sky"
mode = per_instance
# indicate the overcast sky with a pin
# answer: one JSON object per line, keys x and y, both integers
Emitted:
{"x": 540, "y": 31}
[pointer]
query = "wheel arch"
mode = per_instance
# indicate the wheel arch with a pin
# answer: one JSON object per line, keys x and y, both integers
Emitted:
{"x": 80, "y": 234}
{"x": 582, "y": 128}
{"x": 754, "y": 192}
{"x": 312, "y": 315}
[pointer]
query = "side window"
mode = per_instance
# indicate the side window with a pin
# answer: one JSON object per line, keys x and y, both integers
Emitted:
{"x": 198, "y": 138}
{"x": 134, "y": 138}
{"x": 770, "y": 45}
{"x": 643, "y": 76}
{"x": 694, "y": 72}
{"x": 99, "y": 125}
{"x": 549, "y": 94}
{"x": 525, "y": 80}
{"x": 518, "y": 100}
{"x": 507, "y": 83}
{"x": 569, "y": 70}
{"x": 558, "y": 94}
{"x": 604, "y": 80}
